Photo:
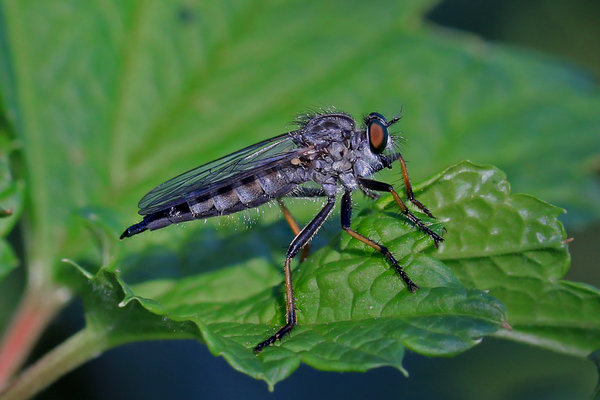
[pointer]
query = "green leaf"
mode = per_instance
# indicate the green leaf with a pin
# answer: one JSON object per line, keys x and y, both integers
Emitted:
{"x": 119, "y": 321}
{"x": 354, "y": 312}
{"x": 514, "y": 247}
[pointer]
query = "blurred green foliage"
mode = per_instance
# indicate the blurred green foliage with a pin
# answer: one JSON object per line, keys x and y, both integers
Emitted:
{"x": 10, "y": 205}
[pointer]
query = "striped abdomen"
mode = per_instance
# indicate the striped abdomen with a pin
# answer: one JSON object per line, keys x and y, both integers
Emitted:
{"x": 248, "y": 192}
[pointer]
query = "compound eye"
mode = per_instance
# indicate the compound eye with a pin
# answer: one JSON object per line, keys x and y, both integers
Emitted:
{"x": 378, "y": 135}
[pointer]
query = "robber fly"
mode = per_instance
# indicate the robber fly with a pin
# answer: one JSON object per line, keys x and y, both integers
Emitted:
{"x": 327, "y": 155}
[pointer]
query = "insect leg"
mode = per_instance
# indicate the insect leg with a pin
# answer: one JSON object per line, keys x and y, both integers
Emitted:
{"x": 304, "y": 192}
{"x": 298, "y": 243}
{"x": 385, "y": 187}
{"x": 346, "y": 215}
{"x": 408, "y": 186}
{"x": 294, "y": 226}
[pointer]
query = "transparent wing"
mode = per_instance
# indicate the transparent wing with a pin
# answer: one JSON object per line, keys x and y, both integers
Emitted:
{"x": 218, "y": 173}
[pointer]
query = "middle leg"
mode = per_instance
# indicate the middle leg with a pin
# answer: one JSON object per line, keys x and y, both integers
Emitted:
{"x": 298, "y": 243}
{"x": 294, "y": 227}
{"x": 302, "y": 192}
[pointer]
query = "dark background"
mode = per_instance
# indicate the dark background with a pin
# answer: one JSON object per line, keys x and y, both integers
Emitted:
{"x": 493, "y": 370}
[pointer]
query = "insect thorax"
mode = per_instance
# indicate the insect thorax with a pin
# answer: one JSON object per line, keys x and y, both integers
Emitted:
{"x": 339, "y": 152}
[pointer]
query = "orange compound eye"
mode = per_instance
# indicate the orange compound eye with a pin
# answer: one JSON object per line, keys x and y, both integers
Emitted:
{"x": 378, "y": 135}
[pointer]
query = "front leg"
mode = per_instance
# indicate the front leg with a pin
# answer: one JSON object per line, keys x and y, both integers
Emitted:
{"x": 385, "y": 187}
{"x": 408, "y": 187}
{"x": 346, "y": 215}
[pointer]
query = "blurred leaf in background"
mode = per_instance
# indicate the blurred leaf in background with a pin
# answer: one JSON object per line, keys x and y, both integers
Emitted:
{"x": 108, "y": 99}
{"x": 10, "y": 204}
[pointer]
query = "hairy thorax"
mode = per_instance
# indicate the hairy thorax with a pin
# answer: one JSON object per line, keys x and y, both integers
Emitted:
{"x": 339, "y": 153}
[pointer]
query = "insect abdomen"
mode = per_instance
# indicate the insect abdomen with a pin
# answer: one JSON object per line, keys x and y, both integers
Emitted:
{"x": 248, "y": 192}
{"x": 160, "y": 219}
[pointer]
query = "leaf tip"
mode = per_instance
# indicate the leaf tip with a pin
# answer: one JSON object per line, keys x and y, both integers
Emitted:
{"x": 129, "y": 297}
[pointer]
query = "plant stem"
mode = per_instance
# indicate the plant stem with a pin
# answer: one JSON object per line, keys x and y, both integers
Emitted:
{"x": 78, "y": 349}
{"x": 38, "y": 306}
